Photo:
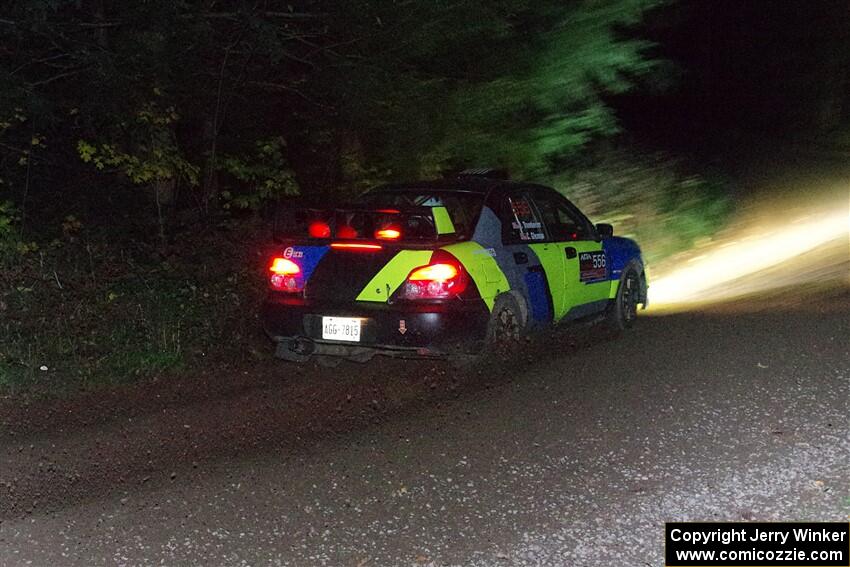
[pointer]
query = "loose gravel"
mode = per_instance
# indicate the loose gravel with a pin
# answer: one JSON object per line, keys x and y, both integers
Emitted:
{"x": 574, "y": 458}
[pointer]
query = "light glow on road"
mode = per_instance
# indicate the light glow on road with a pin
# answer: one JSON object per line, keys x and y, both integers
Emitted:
{"x": 761, "y": 248}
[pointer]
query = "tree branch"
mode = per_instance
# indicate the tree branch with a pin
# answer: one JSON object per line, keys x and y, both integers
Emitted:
{"x": 277, "y": 86}
{"x": 268, "y": 14}
{"x": 55, "y": 78}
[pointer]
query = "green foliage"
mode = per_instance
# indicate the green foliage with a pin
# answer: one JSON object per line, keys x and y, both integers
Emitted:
{"x": 17, "y": 141}
{"x": 651, "y": 198}
{"x": 547, "y": 102}
{"x": 265, "y": 175}
{"x": 362, "y": 91}
{"x": 8, "y": 235}
{"x": 8, "y": 214}
{"x": 511, "y": 83}
{"x": 150, "y": 152}
{"x": 12, "y": 246}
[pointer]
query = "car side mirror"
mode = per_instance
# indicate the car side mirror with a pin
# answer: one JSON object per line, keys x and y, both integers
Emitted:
{"x": 605, "y": 230}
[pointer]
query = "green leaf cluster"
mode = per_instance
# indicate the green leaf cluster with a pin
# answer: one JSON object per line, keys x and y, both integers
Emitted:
{"x": 264, "y": 175}
{"x": 362, "y": 91}
{"x": 9, "y": 237}
{"x": 8, "y": 214}
{"x": 149, "y": 152}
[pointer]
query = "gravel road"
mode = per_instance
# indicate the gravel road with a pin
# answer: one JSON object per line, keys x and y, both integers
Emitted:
{"x": 575, "y": 453}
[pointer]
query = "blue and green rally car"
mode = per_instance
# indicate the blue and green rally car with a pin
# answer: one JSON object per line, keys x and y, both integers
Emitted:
{"x": 442, "y": 268}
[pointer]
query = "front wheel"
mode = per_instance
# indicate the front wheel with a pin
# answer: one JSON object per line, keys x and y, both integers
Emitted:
{"x": 623, "y": 312}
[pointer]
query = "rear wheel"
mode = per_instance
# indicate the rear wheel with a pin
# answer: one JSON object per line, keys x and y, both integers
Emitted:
{"x": 505, "y": 330}
{"x": 623, "y": 312}
{"x": 506, "y": 326}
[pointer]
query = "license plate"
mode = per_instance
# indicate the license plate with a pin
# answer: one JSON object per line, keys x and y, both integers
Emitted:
{"x": 341, "y": 329}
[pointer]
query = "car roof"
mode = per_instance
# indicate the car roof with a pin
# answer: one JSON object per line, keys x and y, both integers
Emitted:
{"x": 461, "y": 184}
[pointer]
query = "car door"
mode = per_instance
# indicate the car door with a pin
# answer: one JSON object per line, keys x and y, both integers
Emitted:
{"x": 585, "y": 265}
{"x": 533, "y": 265}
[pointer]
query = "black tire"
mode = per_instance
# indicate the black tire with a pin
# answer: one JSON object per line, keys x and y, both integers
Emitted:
{"x": 505, "y": 330}
{"x": 506, "y": 327}
{"x": 623, "y": 311}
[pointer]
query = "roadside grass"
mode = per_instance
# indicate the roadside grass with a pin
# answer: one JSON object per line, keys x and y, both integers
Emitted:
{"x": 102, "y": 310}
{"x": 96, "y": 337}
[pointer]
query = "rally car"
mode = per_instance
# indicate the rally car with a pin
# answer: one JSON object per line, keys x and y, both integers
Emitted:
{"x": 441, "y": 268}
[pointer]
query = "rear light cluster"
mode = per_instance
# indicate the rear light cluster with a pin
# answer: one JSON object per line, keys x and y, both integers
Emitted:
{"x": 322, "y": 230}
{"x": 388, "y": 233}
{"x": 284, "y": 275}
{"x": 355, "y": 246}
{"x": 444, "y": 277}
{"x": 319, "y": 229}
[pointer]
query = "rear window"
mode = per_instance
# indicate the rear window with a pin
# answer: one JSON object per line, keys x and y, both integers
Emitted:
{"x": 354, "y": 223}
{"x": 463, "y": 207}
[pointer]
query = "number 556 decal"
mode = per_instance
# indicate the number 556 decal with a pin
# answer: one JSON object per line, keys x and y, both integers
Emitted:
{"x": 592, "y": 266}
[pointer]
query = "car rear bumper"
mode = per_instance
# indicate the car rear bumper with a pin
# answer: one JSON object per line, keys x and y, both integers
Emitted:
{"x": 433, "y": 329}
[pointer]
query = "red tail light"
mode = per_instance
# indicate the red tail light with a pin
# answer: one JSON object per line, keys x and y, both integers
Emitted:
{"x": 284, "y": 267}
{"x": 434, "y": 272}
{"x": 283, "y": 275}
{"x": 444, "y": 277}
{"x": 354, "y": 246}
{"x": 319, "y": 229}
{"x": 346, "y": 231}
{"x": 388, "y": 233}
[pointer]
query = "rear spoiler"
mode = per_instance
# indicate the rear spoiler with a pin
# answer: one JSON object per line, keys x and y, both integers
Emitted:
{"x": 417, "y": 224}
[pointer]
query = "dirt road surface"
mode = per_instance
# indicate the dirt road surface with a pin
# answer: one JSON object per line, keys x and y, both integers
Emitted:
{"x": 572, "y": 453}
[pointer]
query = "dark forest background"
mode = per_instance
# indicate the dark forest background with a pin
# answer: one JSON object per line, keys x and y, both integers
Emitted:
{"x": 143, "y": 144}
